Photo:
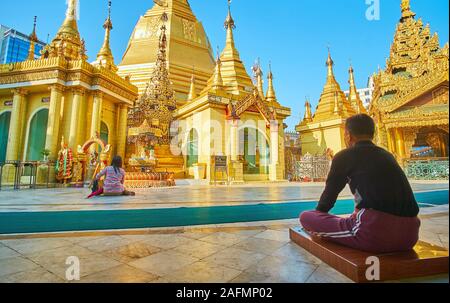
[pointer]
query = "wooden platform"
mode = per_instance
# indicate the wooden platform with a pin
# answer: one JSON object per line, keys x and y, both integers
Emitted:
{"x": 425, "y": 260}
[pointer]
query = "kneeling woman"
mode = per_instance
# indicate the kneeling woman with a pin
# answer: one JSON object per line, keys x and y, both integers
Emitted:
{"x": 114, "y": 179}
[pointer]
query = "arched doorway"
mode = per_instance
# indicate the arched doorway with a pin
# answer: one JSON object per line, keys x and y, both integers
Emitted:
{"x": 5, "y": 119}
{"x": 104, "y": 133}
{"x": 192, "y": 148}
{"x": 37, "y": 134}
{"x": 255, "y": 151}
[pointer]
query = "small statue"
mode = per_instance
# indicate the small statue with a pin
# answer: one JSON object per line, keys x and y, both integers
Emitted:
{"x": 64, "y": 163}
{"x": 93, "y": 158}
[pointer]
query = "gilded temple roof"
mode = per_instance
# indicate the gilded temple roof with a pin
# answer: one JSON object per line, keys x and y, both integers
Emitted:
{"x": 416, "y": 64}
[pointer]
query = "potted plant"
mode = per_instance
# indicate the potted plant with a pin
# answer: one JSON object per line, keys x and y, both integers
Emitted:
{"x": 45, "y": 153}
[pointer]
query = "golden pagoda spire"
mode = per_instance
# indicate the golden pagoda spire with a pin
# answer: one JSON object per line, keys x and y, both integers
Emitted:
{"x": 271, "y": 96}
{"x": 230, "y": 26}
{"x": 230, "y": 73}
{"x": 308, "y": 113}
{"x": 406, "y": 10}
{"x": 192, "y": 91}
{"x": 333, "y": 101}
{"x": 33, "y": 39}
{"x": 217, "y": 77}
{"x": 104, "y": 56}
{"x": 353, "y": 96}
{"x": 67, "y": 42}
{"x": 69, "y": 26}
{"x": 330, "y": 64}
{"x": 258, "y": 73}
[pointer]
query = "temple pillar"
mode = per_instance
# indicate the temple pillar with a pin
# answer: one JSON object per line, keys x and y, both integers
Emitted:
{"x": 17, "y": 125}
{"x": 400, "y": 143}
{"x": 390, "y": 139}
{"x": 97, "y": 105}
{"x": 444, "y": 146}
{"x": 122, "y": 131}
{"x": 274, "y": 150}
{"x": 234, "y": 140}
{"x": 78, "y": 95}
{"x": 16, "y": 128}
{"x": 54, "y": 112}
{"x": 237, "y": 167}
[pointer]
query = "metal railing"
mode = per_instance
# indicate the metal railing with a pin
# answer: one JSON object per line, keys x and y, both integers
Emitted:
{"x": 24, "y": 174}
{"x": 427, "y": 169}
{"x": 312, "y": 168}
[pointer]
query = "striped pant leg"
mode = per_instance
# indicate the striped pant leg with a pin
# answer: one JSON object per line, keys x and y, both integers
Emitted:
{"x": 343, "y": 231}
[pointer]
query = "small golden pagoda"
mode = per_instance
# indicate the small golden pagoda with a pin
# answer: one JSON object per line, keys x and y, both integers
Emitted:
{"x": 325, "y": 129}
{"x": 353, "y": 95}
{"x": 410, "y": 102}
{"x": 187, "y": 46}
{"x": 60, "y": 96}
{"x": 232, "y": 118}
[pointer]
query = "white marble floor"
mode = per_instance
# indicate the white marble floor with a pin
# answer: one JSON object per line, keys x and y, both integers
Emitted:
{"x": 61, "y": 199}
{"x": 241, "y": 252}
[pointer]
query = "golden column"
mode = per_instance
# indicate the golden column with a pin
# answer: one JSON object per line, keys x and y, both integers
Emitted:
{"x": 274, "y": 149}
{"x": 391, "y": 142}
{"x": 234, "y": 140}
{"x": 17, "y": 124}
{"x": 122, "y": 131}
{"x": 54, "y": 115}
{"x": 400, "y": 142}
{"x": 96, "y": 113}
{"x": 78, "y": 95}
{"x": 442, "y": 141}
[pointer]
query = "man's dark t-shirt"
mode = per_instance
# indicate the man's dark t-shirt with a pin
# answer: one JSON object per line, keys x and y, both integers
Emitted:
{"x": 375, "y": 178}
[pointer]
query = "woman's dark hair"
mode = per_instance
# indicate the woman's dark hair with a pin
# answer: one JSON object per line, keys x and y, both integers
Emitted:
{"x": 361, "y": 125}
{"x": 117, "y": 163}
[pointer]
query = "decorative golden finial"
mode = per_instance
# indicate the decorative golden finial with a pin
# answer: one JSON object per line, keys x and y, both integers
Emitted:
{"x": 330, "y": 64}
{"x": 218, "y": 81}
{"x": 308, "y": 113}
{"x": 353, "y": 96}
{"x": 104, "y": 56}
{"x": 67, "y": 43}
{"x": 406, "y": 9}
{"x": 33, "y": 39}
{"x": 229, "y": 22}
{"x": 192, "y": 91}
{"x": 271, "y": 96}
{"x": 70, "y": 23}
{"x": 258, "y": 74}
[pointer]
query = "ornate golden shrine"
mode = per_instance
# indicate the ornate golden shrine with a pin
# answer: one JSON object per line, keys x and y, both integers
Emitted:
{"x": 89, "y": 157}
{"x": 410, "y": 102}
{"x": 150, "y": 120}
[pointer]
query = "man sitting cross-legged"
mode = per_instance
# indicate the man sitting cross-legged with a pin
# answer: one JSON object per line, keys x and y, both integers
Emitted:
{"x": 385, "y": 219}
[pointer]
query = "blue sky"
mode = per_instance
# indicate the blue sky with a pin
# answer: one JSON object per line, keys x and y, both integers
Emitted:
{"x": 293, "y": 34}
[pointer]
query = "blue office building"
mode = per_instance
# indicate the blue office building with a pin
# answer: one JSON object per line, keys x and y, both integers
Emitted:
{"x": 14, "y": 46}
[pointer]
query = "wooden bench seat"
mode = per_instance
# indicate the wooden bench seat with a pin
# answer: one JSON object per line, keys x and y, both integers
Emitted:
{"x": 425, "y": 260}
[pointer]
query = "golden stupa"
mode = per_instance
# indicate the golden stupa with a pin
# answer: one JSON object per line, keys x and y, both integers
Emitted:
{"x": 231, "y": 117}
{"x": 324, "y": 130}
{"x": 188, "y": 48}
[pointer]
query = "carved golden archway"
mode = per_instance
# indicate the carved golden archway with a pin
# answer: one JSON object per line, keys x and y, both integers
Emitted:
{"x": 82, "y": 158}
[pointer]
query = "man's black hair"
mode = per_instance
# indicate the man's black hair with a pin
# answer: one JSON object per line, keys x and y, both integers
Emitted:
{"x": 361, "y": 125}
